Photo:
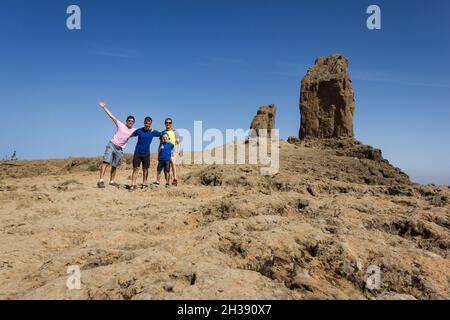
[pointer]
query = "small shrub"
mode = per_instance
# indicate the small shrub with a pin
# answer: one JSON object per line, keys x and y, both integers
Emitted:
{"x": 93, "y": 167}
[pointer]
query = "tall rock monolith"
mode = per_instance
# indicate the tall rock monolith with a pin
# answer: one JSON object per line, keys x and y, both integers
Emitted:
{"x": 327, "y": 101}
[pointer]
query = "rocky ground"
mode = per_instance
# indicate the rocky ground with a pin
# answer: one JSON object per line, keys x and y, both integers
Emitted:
{"x": 310, "y": 232}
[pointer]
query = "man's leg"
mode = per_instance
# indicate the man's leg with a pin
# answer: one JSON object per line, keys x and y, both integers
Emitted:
{"x": 134, "y": 176}
{"x": 145, "y": 167}
{"x": 107, "y": 160}
{"x": 113, "y": 174}
{"x": 174, "y": 169}
{"x": 103, "y": 168}
{"x": 173, "y": 165}
{"x": 145, "y": 176}
{"x": 136, "y": 165}
{"x": 117, "y": 156}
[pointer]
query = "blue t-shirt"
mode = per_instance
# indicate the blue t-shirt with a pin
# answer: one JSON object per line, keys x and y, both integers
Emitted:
{"x": 165, "y": 151}
{"x": 145, "y": 138}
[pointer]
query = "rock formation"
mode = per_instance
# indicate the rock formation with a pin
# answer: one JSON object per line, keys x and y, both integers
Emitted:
{"x": 264, "y": 119}
{"x": 327, "y": 101}
{"x": 310, "y": 232}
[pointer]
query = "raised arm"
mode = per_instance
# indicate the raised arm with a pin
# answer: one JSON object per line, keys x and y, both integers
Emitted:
{"x": 103, "y": 106}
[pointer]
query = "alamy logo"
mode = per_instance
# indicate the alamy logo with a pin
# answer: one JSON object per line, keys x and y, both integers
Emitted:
{"x": 374, "y": 21}
{"x": 74, "y": 20}
{"x": 74, "y": 280}
{"x": 262, "y": 147}
{"x": 374, "y": 280}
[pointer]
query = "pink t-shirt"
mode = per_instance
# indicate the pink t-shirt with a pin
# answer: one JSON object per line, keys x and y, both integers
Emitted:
{"x": 122, "y": 135}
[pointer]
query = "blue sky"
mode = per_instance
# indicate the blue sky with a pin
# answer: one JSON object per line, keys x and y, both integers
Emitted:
{"x": 218, "y": 61}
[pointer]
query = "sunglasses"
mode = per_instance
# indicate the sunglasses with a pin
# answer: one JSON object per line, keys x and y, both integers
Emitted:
{"x": 132, "y": 121}
{"x": 168, "y": 122}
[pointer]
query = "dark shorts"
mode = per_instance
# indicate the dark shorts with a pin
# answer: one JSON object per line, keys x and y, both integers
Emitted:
{"x": 141, "y": 158}
{"x": 164, "y": 164}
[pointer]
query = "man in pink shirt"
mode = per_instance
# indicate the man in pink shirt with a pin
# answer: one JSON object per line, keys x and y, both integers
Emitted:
{"x": 114, "y": 149}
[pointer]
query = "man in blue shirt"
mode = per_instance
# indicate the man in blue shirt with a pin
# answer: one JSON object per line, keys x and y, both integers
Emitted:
{"x": 142, "y": 152}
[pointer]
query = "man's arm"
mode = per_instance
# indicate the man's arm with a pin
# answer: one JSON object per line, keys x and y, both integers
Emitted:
{"x": 156, "y": 133}
{"x": 109, "y": 113}
{"x": 134, "y": 134}
{"x": 177, "y": 137}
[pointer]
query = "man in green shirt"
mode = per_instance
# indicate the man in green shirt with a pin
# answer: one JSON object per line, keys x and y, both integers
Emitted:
{"x": 174, "y": 138}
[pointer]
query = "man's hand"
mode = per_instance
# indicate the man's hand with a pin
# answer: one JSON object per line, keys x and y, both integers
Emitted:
{"x": 101, "y": 104}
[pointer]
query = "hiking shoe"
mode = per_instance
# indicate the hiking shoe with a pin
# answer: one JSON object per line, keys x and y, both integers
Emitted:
{"x": 144, "y": 186}
{"x": 132, "y": 188}
{"x": 156, "y": 184}
{"x": 167, "y": 185}
{"x": 113, "y": 184}
{"x": 175, "y": 182}
{"x": 101, "y": 184}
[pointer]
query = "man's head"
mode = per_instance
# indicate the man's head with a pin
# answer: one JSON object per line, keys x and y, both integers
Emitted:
{"x": 168, "y": 123}
{"x": 165, "y": 137}
{"x": 130, "y": 122}
{"x": 148, "y": 123}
